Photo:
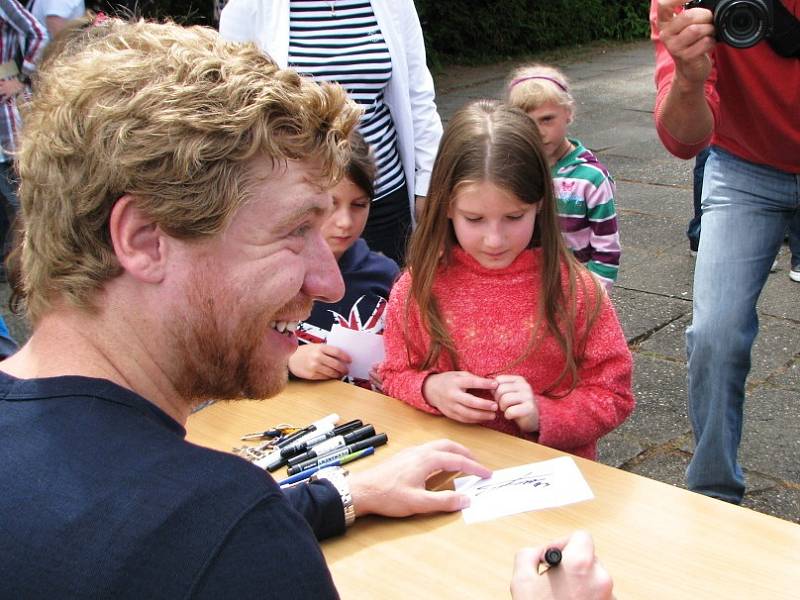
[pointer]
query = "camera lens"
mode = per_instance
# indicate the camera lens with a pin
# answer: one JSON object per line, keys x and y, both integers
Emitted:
{"x": 741, "y": 23}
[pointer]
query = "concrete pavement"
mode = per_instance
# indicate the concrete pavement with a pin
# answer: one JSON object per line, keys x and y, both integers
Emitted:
{"x": 614, "y": 90}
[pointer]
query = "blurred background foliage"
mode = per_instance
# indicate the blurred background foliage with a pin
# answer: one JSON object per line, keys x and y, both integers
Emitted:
{"x": 466, "y": 31}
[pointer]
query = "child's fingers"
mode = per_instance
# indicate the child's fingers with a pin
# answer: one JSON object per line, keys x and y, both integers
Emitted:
{"x": 336, "y": 353}
{"x": 508, "y": 399}
{"x": 504, "y": 389}
{"x": 466, "y": 414}
{"x": 501, "y": 379}
{"x": 333, "y": 366}
{"x": 517, "y": 411}
{"x": 474, "y": 402}
{"x": 468, "y": 381}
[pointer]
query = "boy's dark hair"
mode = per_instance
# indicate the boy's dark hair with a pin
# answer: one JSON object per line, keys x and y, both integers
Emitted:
{"x": 361, "y": 169}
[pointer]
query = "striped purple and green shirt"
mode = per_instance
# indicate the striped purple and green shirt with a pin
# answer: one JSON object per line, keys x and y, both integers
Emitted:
{"x": 587, "y": 212}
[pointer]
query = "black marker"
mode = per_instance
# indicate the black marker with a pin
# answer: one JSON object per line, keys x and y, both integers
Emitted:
{"x": 301, "y": 445}
{"x": 331, "y": 444}
{"x": 331, "y": 418}
{"x": 325, "y": 459}
{"x": 552, "y": 558}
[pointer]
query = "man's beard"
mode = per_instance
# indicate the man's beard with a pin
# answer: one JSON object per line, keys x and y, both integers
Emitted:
{"x": 219, "y": 359}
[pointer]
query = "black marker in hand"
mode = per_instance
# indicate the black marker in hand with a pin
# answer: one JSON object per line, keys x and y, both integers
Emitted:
{"x": 552, "y": 558}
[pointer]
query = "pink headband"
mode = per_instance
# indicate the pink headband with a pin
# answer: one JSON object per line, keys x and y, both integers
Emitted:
{"x": 528, "y": 78}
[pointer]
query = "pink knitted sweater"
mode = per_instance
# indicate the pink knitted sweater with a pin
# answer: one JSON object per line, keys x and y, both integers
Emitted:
{"x": 490, "y": 314}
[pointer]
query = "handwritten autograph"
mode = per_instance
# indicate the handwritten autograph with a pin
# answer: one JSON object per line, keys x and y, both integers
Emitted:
{"x": 527, "y": 480}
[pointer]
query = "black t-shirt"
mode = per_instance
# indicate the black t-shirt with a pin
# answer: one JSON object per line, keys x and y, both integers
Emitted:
{"x": 101, "y": 497}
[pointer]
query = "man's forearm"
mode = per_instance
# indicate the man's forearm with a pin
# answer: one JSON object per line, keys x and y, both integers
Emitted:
{"x": 685, "y": 113}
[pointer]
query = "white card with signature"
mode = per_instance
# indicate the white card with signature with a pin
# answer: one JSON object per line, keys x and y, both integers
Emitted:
{"x": 545, "y": 484}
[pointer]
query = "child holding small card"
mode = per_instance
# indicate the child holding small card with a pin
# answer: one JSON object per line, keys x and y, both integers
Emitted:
{"x": 368, "y": 277}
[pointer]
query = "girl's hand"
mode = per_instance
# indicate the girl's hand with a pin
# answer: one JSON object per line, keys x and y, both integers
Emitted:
{"x": 516, "y": 399}
{"x": 319, "y": 361}
{"x": 375, "y": 379}
{"x": 448, "y": 393}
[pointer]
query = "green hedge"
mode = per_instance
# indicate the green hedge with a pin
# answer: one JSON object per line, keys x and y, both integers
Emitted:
{"x": 473, "y": 30}
{"x": 476, "y": 30}
{"x": 190, "y": 12}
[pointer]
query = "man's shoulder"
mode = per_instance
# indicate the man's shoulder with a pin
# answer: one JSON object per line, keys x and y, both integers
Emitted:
{"x": 110, "y": 484}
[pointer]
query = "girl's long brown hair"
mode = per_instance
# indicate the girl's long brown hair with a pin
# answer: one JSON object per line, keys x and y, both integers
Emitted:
{"x": 492, "y": 142}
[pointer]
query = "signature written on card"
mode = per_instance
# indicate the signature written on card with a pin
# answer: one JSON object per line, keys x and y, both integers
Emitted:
{"x": 534, "y": 486}
{"x": 528, "y": 480}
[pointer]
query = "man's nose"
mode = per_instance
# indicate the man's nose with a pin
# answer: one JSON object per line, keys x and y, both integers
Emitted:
{"x": 323, "y": 279}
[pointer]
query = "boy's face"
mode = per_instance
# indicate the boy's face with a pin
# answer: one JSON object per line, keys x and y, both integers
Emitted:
{"x": 348, "y": 219}
{"x": 552, "y": 120}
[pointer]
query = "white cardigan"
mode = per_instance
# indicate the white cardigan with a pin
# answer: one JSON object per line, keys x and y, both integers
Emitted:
{"x": 409, "y": 93}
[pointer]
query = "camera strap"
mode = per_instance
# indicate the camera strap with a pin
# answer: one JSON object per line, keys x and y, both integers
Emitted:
{"x": 785, "y": 36}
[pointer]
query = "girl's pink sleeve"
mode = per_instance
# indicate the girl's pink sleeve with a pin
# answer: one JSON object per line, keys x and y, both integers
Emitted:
{"x": 603, "y": 398}
{"x": 399, "y": 378}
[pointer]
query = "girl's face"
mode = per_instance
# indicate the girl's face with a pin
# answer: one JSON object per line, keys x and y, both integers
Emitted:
{"x": 348, "y": 219}
{"x": 552, "y": 120}
{"x": 491, "y": 224}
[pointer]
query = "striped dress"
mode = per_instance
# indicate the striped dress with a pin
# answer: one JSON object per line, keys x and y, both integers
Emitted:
{"x": 587, "y": 212}
{"x": 340, "y": 41}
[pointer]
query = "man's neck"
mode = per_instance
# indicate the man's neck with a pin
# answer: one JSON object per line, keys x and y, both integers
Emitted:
{"x": 73, "y": 342}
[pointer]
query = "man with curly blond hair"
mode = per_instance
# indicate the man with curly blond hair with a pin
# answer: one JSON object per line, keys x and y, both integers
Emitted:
{"x": 173, "y": 187}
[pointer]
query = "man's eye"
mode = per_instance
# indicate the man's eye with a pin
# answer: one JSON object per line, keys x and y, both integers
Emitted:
{"x": 301, "y": 231}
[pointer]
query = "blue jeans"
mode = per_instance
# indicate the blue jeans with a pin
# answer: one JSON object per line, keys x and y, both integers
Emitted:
{"x": 746, "y": 210}
{"x": 693, "y": 230}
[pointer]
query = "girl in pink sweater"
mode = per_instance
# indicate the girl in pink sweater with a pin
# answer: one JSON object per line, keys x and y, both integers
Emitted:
{"x": 494, "y": 321}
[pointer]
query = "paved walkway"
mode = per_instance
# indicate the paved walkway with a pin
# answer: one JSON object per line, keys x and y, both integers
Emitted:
{"x": 613, "y": 86}
{"x": 614, "y": 90}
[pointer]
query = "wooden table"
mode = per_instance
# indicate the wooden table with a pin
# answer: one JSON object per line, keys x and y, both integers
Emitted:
{"x": 658, "y": 541}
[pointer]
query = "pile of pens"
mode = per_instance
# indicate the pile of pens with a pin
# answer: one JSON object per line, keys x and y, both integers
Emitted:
{"x": 305, "y": 450}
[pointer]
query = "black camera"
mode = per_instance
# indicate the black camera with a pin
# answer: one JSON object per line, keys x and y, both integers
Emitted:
{"x": 739, "y": 23}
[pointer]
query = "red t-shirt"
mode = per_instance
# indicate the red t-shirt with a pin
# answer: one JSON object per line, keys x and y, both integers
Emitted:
{"x": 754, "y": 95}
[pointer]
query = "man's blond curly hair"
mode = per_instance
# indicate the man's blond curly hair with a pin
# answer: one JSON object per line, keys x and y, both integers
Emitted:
{"x": 169, "y": 114}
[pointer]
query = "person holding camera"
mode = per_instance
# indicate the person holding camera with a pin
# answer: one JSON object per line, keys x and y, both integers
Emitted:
{"x": 728, "y": 73}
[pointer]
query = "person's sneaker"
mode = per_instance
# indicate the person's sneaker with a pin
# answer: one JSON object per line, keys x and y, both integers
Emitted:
{"x": 693, "y": 244}
{"x": 774, "y": 266}
{"x": 794, "y": 273}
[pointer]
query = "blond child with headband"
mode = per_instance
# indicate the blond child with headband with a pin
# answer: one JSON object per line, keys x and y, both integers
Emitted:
{"x": 494, "y": 322}
{"x": 584, "y": 188}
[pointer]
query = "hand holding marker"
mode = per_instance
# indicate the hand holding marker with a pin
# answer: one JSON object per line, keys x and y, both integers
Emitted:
{"x": 552, "y": 558}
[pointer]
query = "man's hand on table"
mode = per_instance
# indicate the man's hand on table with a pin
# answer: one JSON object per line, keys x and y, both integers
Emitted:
{"x": 396, "y": 487}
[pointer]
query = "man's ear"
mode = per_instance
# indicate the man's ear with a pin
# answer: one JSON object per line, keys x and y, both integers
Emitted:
{"x": 138, "y": 241}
